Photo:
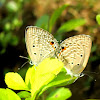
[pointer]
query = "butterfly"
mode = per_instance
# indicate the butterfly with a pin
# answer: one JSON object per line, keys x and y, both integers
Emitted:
{"x": 73, "y": 52}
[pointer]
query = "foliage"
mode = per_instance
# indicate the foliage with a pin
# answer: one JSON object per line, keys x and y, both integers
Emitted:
{"x": 66, "y": 27}
{"x": 59, "y": 94}
{"x": 9, "y": 24}
{"x": 43, "y": 22}
{"x": 38, "y": 79}
{"x": 55, "y": 16}
{"x": 8, "y": 94}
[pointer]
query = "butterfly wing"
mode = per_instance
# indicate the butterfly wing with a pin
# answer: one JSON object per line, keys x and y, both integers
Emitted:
{"x": 40, "y": 44}
{"x": 74, "y": 52}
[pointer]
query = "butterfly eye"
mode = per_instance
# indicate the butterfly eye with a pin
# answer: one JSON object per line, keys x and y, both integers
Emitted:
{"x": 31, "y": 62}
{"x": 81, "y": 74}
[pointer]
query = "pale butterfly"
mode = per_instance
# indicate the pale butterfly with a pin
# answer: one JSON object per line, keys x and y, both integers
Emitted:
{"x": 73, "y": 52}
{"x": 40, "y": 44}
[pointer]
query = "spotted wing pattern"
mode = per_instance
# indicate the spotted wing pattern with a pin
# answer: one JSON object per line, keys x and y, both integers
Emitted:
{"x": 74, "y": 52}
{"x": 40, "y": 44}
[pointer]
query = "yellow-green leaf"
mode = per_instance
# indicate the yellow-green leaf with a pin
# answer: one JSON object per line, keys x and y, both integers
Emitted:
{"x": 15, "y": 81}
{"x": 45, "y": 72}
{"x": 7, "y": 94}
{"x": 28, "y": 78}
{"x": 59, "y": 94}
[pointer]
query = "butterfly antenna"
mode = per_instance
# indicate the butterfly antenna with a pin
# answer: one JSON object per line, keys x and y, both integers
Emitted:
{"x": 25, "y": 62}
{"x": 89, "y": 76}
{"x": 92, "y": 72}
{"x": 24, "y": 57}
{"x": 23, "y": 65}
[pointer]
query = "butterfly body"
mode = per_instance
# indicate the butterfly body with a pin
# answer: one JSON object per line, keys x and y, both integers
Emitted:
{"x": 73, "y": 52}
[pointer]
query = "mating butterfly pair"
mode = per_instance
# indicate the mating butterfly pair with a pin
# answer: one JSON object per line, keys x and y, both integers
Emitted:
{"x": 73, "y": 52}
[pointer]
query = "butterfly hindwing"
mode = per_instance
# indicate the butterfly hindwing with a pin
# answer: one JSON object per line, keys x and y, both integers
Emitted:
{"x": 74, "y": 52}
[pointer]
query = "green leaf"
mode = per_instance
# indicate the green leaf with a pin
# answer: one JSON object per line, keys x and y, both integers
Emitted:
{"x": 98, "y": 19}
{"x": 28, "y": 99}
{"x": 30, "y": 76}
{"x": 24, "y": 94}
{"x": 60, "y": 94}
{"x": 7, "y": 94}
{"x": 69, "y": 26}
{"x": 62, "y": 79}
{"x": 55, "y": 16}
{"x": 45, "y": 72}
{"x": 15, "y": 81}
{"x": 43, "y": 22}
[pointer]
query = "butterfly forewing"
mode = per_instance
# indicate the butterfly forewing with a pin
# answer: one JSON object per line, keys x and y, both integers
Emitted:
{"x": 40, "y": 44}
{"x": 74, "y": 52}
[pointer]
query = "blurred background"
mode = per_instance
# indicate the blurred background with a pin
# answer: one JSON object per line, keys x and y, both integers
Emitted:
{"x": 16, "y": 15}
